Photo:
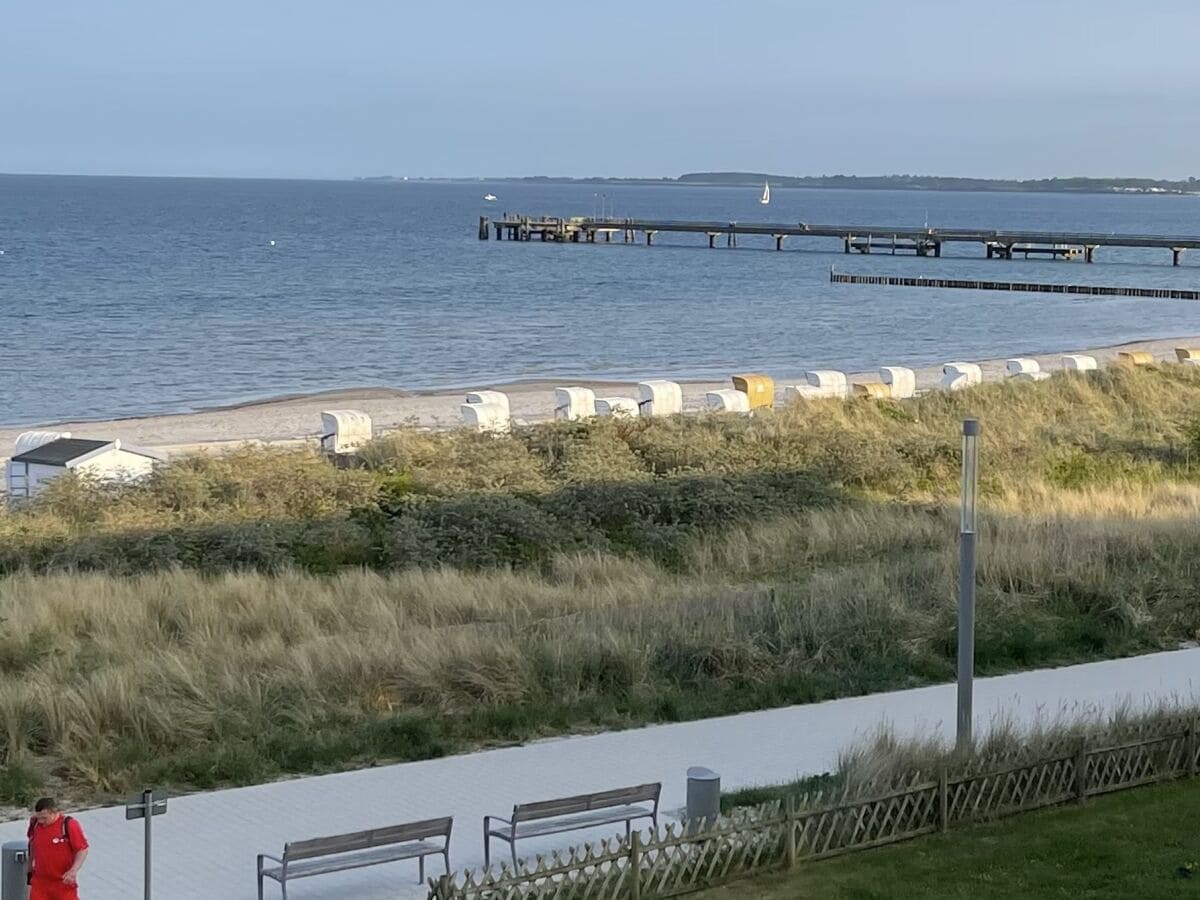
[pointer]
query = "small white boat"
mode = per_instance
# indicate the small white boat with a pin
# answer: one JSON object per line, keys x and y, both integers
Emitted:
{"x": 489, "y": 197}
{"x": 766, "y": 195}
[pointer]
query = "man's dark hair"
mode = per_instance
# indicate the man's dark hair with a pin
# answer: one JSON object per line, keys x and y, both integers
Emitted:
{"x": 46, "y": 804}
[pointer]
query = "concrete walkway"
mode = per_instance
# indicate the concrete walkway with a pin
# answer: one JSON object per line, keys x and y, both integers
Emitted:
{"x": 206, "y": 844}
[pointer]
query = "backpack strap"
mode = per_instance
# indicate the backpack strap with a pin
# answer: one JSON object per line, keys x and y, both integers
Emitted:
{"x": 66, "y": 832}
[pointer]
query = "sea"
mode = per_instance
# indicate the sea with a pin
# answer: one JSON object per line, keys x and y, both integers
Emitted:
{"x": 137, "y": 296}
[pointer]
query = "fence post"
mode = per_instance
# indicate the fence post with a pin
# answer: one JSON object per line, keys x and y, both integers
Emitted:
{"x": 789, "y": 823}
{"x": 1081, "y": 770}
{"x": 635, "y": 865}
{"x": 943, "y": 800}
{"x": 1191, "y": 748}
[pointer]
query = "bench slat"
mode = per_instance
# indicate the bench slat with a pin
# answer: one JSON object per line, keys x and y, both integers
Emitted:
{"x": 606, "y": 816}
{"x": 365, "y": 840}
{"x": 580, "y": 803}
{"x": 346, "y": 861}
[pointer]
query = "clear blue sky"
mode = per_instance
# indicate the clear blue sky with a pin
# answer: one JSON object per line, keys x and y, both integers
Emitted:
{"x": 317, "y": 88}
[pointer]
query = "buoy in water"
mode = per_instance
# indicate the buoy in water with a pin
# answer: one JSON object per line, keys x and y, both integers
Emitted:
{"x": 272, "y": 243}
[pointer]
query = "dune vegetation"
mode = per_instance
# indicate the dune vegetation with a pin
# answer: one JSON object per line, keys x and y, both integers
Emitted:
{"x": 240, "y": 617}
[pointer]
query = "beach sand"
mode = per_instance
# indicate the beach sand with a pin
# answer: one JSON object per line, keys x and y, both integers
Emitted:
{"x": 297, "y": 420}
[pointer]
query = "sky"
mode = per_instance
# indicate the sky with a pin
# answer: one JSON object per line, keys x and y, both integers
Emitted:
{"x": 321, "y": 89}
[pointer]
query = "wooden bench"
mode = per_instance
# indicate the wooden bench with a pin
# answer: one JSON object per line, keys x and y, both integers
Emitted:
{"x": 572, "y": 814}
{"x": 341, "y": 852}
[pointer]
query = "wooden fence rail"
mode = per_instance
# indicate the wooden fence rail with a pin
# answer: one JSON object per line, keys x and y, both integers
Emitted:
{"x": 678, "y": 860}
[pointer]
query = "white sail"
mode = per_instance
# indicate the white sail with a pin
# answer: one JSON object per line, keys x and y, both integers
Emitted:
{"x": 766, "y": 197}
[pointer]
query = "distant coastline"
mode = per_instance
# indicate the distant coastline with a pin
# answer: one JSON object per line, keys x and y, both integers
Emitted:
{"x": 862, "y": 182}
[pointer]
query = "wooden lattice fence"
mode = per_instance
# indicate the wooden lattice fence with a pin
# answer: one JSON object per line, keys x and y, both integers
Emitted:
{"x": 679, "y": 859}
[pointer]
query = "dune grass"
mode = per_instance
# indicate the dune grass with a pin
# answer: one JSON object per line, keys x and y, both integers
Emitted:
{"x": 242, "y": 617}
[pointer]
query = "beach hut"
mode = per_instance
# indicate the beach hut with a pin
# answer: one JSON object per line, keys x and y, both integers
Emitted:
{"x": 1187, "y": 354}
{"x": 828, "y": 382}
{"x": 344, "y": 430}
{"x": 498, "y": 397}
{"x": 1135, "y": 357}
{"x": 573, "y": 403}
{"x": 872, "y": 390}
{"x": 1078, "y": 362}
{"x": 759, "y": 389}
{"x": 487, "y": 416}
{"x": 727, "y": 400}
{"x": 1030, "y": 376}
{"x": 617, "y": 406}
{"x": 957, "y": 376}
{"x": 900, "y": 380}
{"x": 33, "y": 467}
{"x": 1021, "y": 365}
{"x": 659, "y": 398}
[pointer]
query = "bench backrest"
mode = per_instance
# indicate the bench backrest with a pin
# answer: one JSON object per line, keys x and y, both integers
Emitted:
{"x": 565, "y": 806}
{"x": 362, "y": 840}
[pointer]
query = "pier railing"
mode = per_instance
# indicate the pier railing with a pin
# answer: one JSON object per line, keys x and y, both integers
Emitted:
{"x": 924, "y": 241}
{"x": 679, "y": 859}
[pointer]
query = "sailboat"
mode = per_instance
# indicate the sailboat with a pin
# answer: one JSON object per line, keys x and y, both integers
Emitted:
{"x": 766, "y": 197}
{"x": 489, "y": 197}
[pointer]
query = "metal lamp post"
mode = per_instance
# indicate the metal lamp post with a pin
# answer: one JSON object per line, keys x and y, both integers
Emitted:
{"x": 966, "y": 580}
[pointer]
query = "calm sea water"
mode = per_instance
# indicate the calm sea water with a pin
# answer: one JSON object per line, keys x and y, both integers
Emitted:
{"x": 134, "y": 296}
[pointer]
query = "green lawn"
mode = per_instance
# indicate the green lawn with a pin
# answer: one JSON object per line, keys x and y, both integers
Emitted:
{"x": 1128, "y": 845}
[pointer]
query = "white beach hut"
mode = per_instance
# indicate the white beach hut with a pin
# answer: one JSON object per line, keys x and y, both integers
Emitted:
{"x": 957, "y": 376}
{"x": 660, "y": 398}
{"x": 498, "y": 397}
{"x": 900, "y": 380}
{"x": 1079, "y": 362}
{"x": 727, "y": 400}
{"x": 828, "y": 382}
{"x": 487, "y": 416}
{"x": 626, "y": 407}
{"x": 39, "y": 462}
{"x": 344, "y": 430}
{"x": 574, "y": 403}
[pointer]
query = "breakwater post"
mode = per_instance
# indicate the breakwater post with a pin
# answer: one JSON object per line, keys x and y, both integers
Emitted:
{"x": 1033, "y": 287}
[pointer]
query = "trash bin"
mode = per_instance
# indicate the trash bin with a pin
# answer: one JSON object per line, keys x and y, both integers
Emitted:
{"x": 703, "y": 797}
{"x": 14, "y": 856}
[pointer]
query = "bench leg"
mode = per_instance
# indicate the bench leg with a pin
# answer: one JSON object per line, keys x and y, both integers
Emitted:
{"x": 513, "y": 845}
{"x": 487, "y": 850}
{"x": 628, "y": 829}
{"x": 421, "y": 870}
{"x": 446, "y": 856}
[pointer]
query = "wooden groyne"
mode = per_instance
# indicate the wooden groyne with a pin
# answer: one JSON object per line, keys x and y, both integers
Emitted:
{"x": 854, "y": 238}
{"x": 1033, "y": 287}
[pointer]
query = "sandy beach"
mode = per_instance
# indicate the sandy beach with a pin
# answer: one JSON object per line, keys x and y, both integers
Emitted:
{"x": 297, "y": 419}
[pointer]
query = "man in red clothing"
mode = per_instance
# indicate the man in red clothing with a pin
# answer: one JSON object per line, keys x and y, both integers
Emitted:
{"x": 57, "y": 849}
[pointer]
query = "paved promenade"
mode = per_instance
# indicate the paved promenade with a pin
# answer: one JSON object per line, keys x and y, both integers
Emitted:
{"x": 206, "y": 844}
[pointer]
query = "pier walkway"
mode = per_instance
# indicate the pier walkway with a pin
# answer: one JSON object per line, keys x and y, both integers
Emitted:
{"x": 854, "y": 238}
{"x": 204, "y": 847}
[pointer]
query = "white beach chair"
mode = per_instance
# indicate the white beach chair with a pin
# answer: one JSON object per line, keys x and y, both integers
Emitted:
{"x": 901, "y": 381}
{"x": 573, "y": 403}
{"x": 659, "y": 398}
{"x": 727, "y": 400}
{"x": 626, "y": 407}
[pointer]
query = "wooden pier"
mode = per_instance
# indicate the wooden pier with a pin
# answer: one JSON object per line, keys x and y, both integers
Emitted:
{"x": 854, "y": 238}
{"x": 1036, "y": 287}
